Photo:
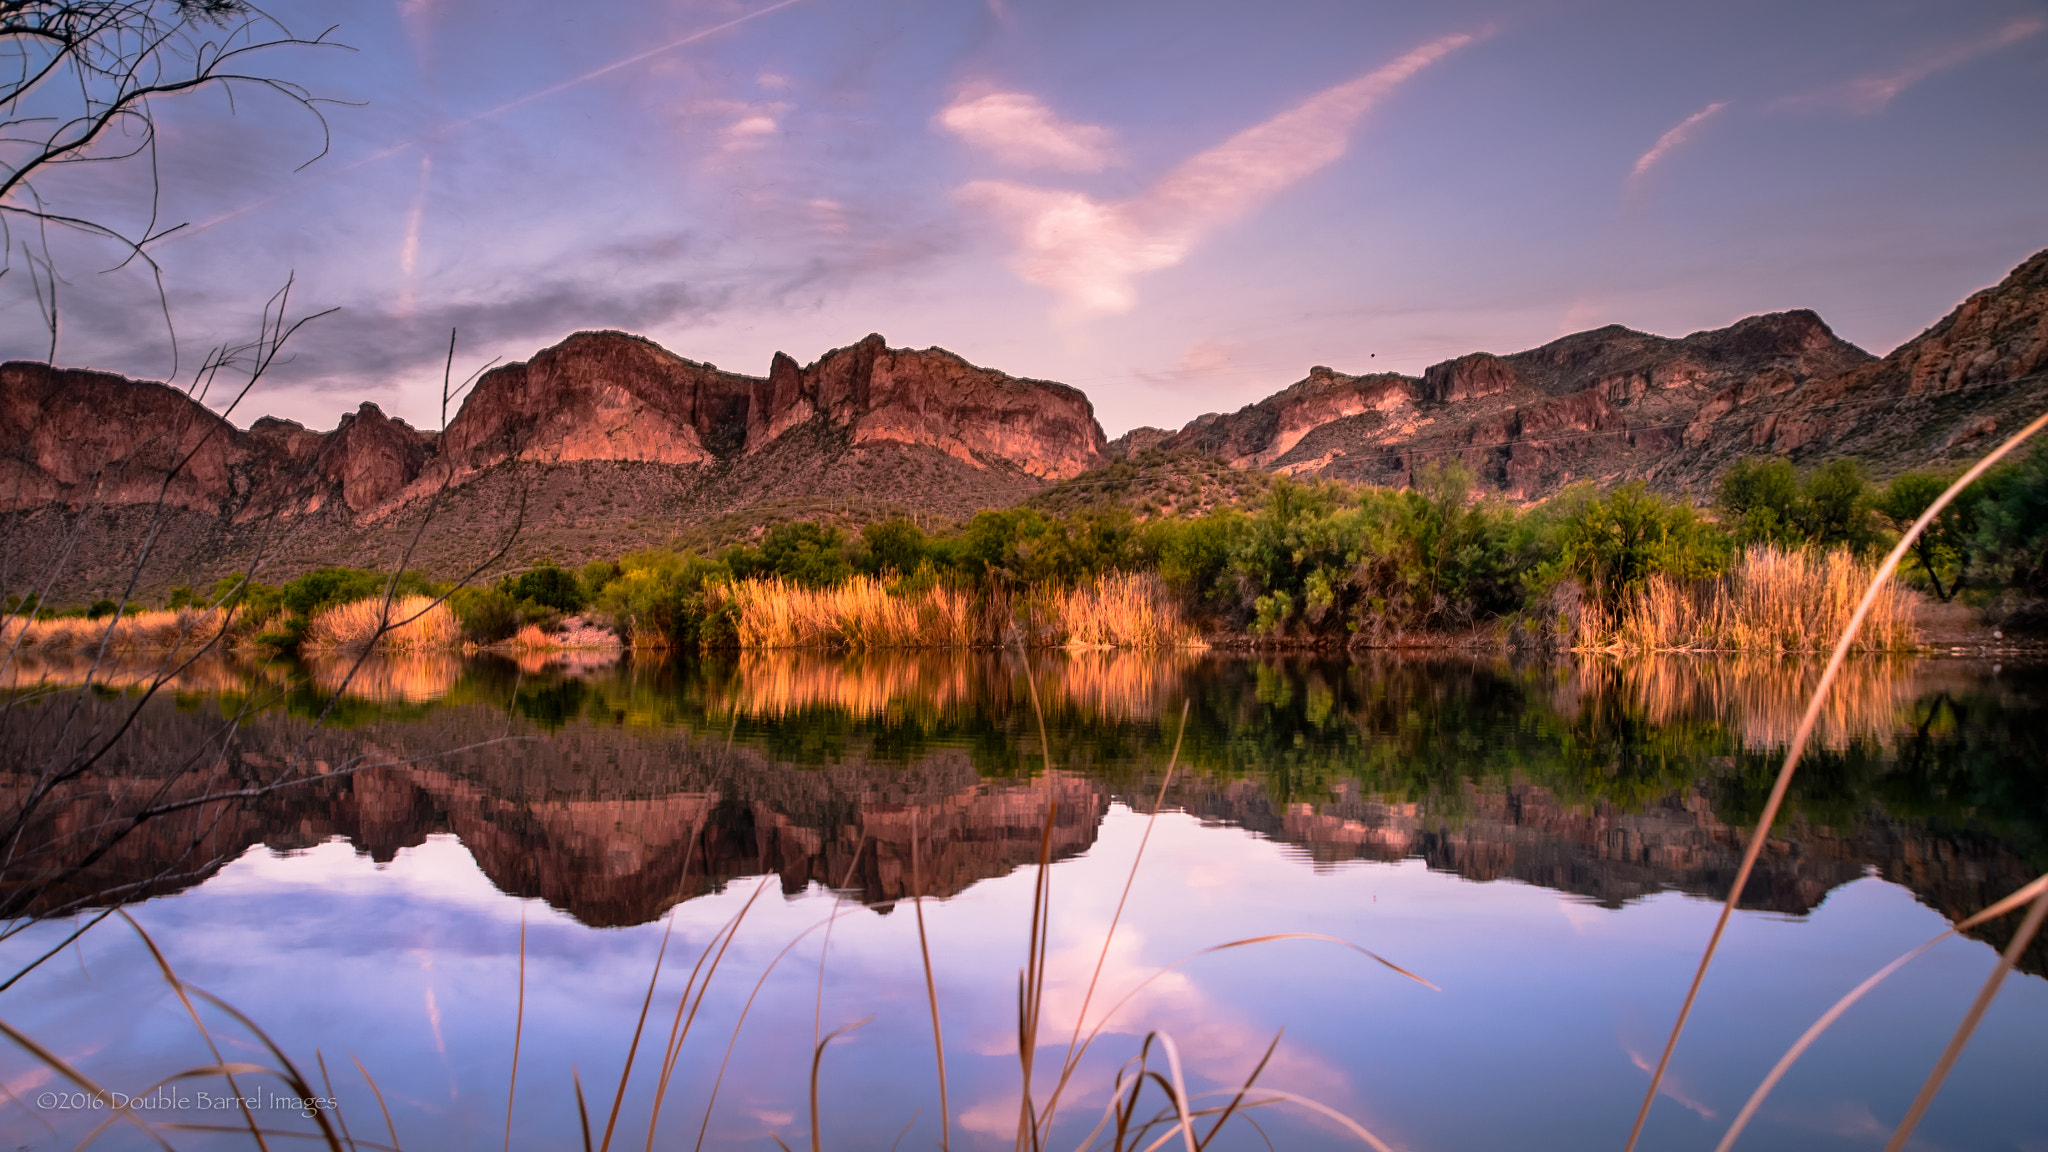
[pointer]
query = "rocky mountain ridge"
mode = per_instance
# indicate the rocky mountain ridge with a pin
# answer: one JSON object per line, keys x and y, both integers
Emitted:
{"x": 607, "y": 441}
{"x": 1613, "y": 403}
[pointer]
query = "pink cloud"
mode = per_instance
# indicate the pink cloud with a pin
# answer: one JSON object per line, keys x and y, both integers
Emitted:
{"x": 1672, "y": 139}
{"x": 1018, "y": 129}
{"x": 1867, "y": 94}
{"x": 1091, "y": 252}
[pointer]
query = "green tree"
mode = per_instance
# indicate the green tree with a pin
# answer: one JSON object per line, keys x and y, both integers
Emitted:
{"x": 1945, "y": 544}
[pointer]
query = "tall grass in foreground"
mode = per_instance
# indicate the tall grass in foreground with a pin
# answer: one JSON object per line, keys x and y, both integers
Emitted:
{"x": 1116, "y": 610}
{"x": 408, "y": 623}
{"x": 184, "y": 630}
{"x": 1771, "y": 600}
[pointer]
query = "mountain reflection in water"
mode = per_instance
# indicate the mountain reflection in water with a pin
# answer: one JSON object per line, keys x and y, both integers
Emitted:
{"x": 614, "y": 791}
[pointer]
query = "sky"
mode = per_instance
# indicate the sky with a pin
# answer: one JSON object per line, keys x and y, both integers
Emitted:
{"x": 1177, "y": 207}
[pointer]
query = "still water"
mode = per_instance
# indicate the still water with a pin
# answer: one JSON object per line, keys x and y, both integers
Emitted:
{"x": 1545, "y": 843}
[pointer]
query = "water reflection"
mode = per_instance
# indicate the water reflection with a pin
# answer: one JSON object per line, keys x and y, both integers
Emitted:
{"x": 616, "y": 789}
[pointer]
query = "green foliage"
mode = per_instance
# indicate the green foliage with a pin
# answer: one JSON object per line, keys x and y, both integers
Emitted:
{"x": 2010, "y": 531}
{"x": 24, "y": 605}
{"x": 487, "y": 615}
{"x": 326, "y": 587}
{"x": 813, "y": 555}
{"x": 895, "y": 545}
{"x": 547, "y": 586}
{"x": 1768, "y": 501}
{"x": 664, "y": 598}
{"x": 1613, "y": 542}
{"x": 595, "y": 576}
{"x": 101, "y": 609}
{"x": 1941, "y": 553}
{"x": 180, "y": 597}
{"x": 252, "y": 602}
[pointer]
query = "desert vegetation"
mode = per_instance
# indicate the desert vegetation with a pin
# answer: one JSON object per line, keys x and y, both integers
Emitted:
{"x": 1771, "y": 564}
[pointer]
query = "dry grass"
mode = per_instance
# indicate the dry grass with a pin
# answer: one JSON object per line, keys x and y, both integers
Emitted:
{"x": 413, "y": 623}
{"x": 1770, "y": 601}
{"x": 534, "y": 638}
{"x": 1122, "y": 610}
{"x": 1114, "y": 611}
{"x": 860, "y": 613}
{"x": 182, "y": 630}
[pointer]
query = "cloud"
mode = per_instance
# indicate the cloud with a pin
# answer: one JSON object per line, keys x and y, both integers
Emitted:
{"x": 1091, "y": 252}
{"x": 1019, "y": 130}
{"x": 1672, "y": 139}
{"x": 1200, "y": 361}
{"x": 1865, "y": 95}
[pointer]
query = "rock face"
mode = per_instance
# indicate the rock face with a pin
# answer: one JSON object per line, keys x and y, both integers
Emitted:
{"x": 81, "y": 439}
{"x": 932, "y": 398}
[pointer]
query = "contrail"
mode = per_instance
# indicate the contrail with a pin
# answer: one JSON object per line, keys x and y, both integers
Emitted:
{"x": 454, "y": 126}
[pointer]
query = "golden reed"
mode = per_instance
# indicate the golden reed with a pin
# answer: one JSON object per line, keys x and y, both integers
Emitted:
{"x": 1114, "y": 611}
{"x": 412, "y": 623}
{"x": 182, "y": 630}
{"x": 1770, "y": 601}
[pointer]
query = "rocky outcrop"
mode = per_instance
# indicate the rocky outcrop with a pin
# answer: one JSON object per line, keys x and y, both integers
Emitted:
{"x": 932, "y": 398}
{"x": 81, "y": 439}
{"x": 74, "y": 437}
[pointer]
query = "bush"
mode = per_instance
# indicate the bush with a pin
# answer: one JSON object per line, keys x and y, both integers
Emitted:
{"x": 663, "y": 600}
{"x": 1946, "y": 544}
{"x": 546, "y": 585}
{"x": 326, "y": 587}
{"x": 1767, "y": 501}
{"x": 486, "y": 615}
{"x": 1614, "y": 542}
{"x": 2010, "y": 533}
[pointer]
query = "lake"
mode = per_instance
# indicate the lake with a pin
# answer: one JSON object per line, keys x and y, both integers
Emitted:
{"x": 494, "y": 855}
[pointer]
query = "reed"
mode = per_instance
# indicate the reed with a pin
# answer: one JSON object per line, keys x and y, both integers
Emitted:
{"x": 409, "y": 624}
{"x": 1762, "y": 698}
{"x": 1771, "y": 600}
{"x": 533, "y": 638}
{"x": 859, "y": 613}
{"x": 164, "y": 630}
{"x": 1119, "y": 610}
{"x": 1122, "y": 610}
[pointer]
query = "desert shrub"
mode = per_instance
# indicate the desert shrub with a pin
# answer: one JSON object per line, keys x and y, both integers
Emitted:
{"x": 2010, "y": 530}
{"x": 324, "y": 587}
{"x": 1612, "y": 542}
{"x": 179, "y": 597}
{"x": 894, "y": 545}
{"x": 101, "y": 609}
{"x": 547, "y": 585}
{"x": 1768, "y": 501}
{"x": 1941, "y": 554}
{"x": 486, "y": 615}
{"x": 252, "y": 601}
{"x": 595, "y": 576}
{"x": 662, "y": 600}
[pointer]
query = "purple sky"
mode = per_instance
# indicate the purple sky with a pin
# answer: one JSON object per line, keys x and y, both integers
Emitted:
{"x": 1174, "y": 206}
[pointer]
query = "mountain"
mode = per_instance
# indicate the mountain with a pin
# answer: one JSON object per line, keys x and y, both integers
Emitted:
{"x": 600, "y": 444}
{"x": 607, "y": 442}
{"x": 1615, "y": 404}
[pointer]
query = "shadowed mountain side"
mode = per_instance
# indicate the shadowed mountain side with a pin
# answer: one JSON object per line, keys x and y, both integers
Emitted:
{"x": 1614, "y": 403}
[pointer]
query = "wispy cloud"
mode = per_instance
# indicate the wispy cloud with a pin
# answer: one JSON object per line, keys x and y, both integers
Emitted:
{"x": 1673, "y": 138}
{"x": 1018, "y": 129}
{"x": 1201, "y": 360}
{"x": 1868, "y": 94}
{"x": 1091, "y": 252}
